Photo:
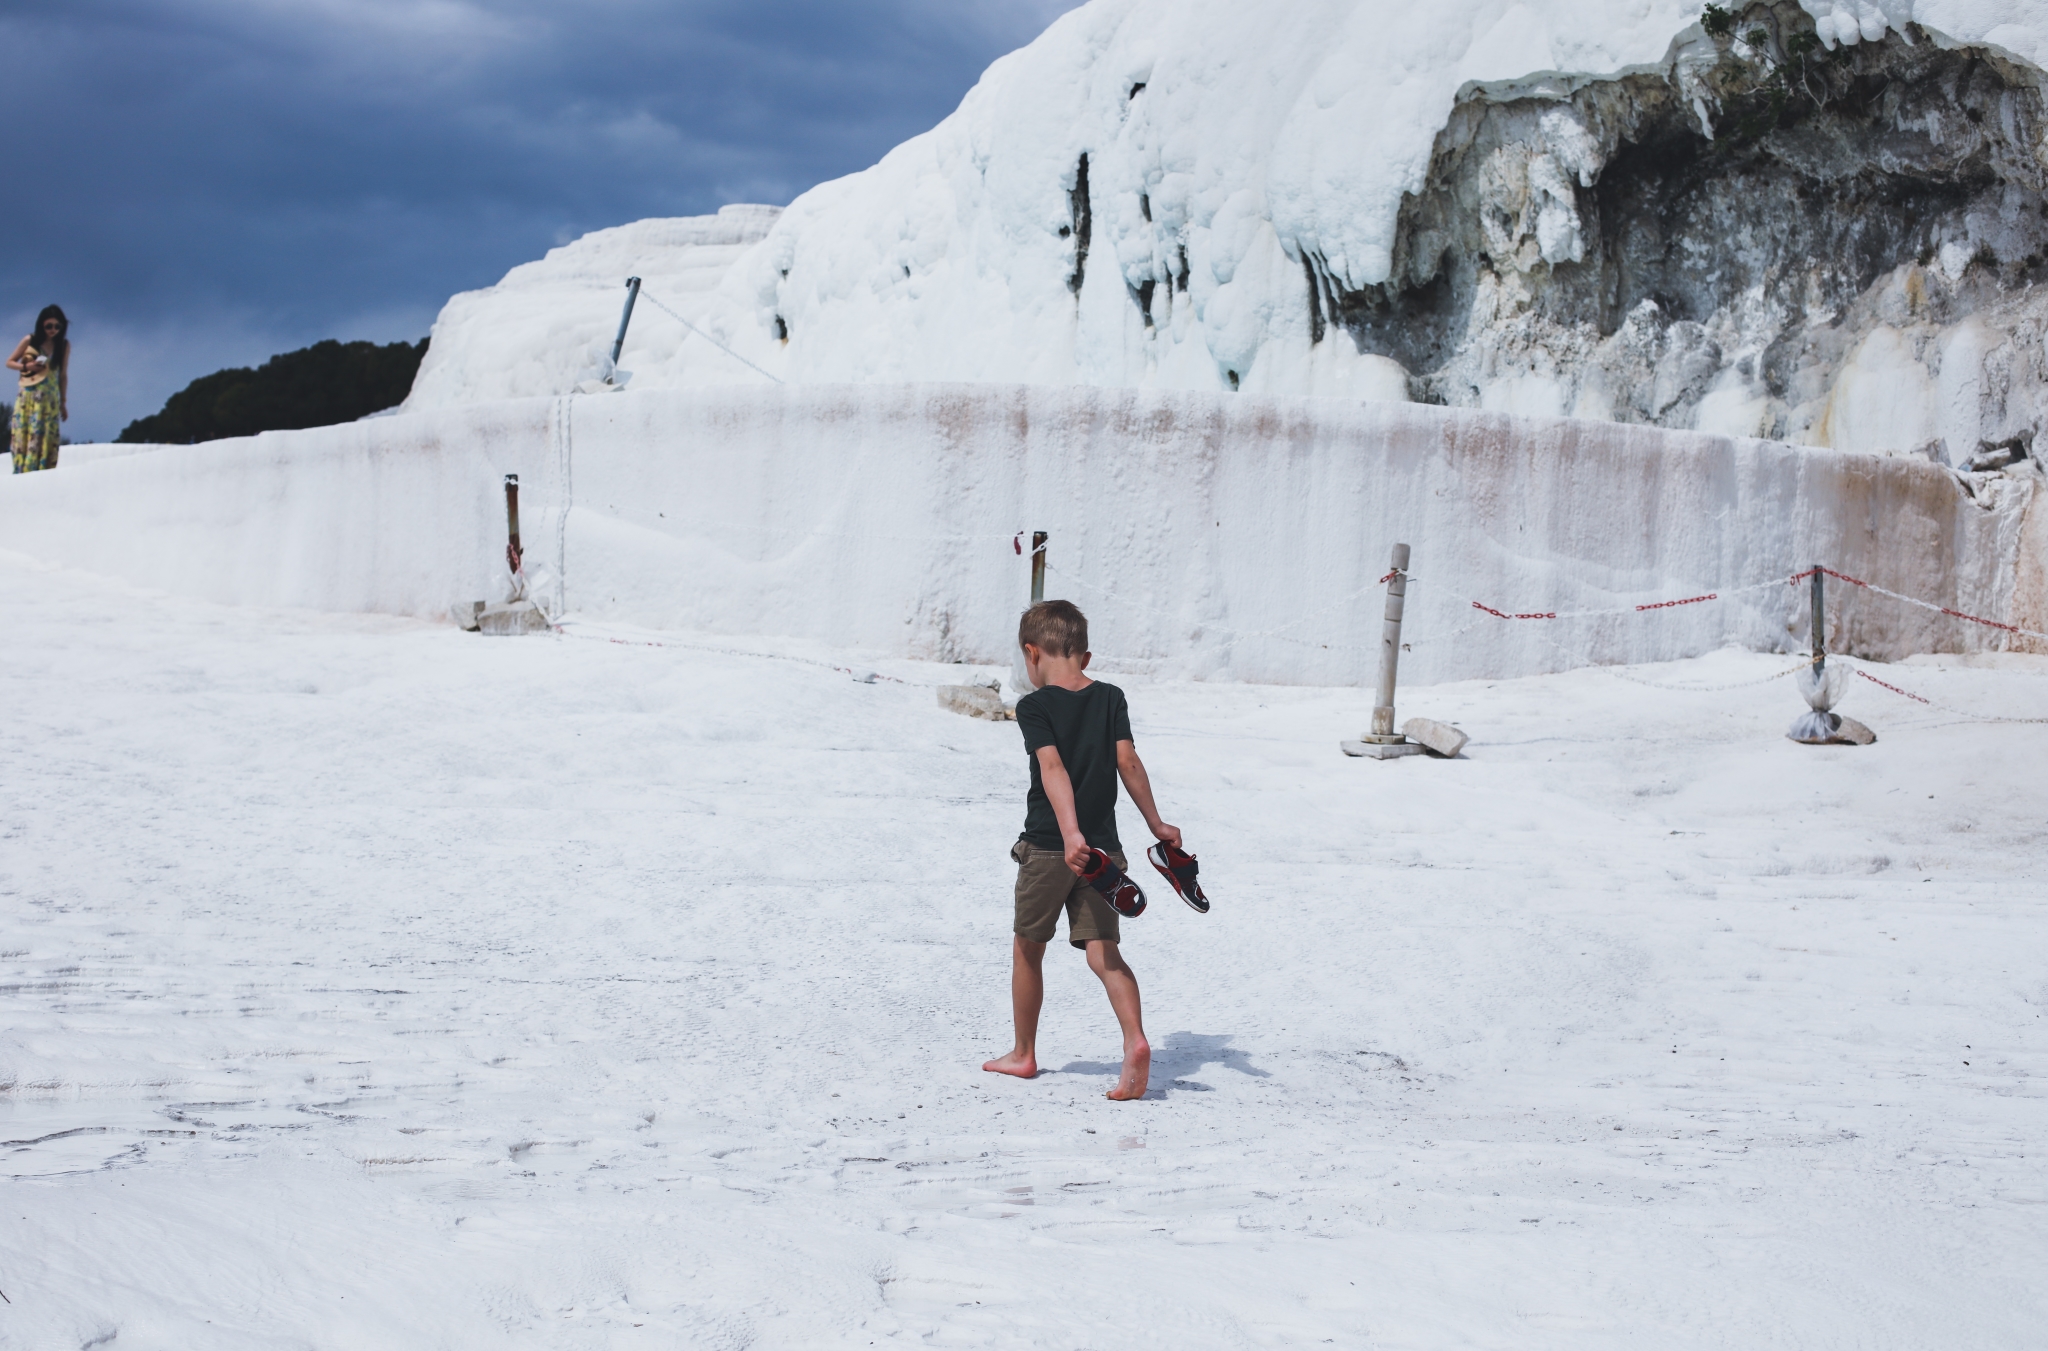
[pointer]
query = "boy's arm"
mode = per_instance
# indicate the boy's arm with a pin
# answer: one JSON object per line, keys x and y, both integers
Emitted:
{"x": 1138, "y": 784}
{"x": 1059, "y": 791}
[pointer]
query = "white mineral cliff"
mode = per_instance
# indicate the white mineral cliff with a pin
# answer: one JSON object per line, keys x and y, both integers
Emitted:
{"x": 1826, "y": 224}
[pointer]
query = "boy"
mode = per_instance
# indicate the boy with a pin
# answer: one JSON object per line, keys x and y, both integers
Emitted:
{"x": 1077, "y": 732}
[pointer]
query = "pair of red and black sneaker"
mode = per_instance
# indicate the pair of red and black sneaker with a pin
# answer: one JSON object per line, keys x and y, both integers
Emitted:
{"x": 1124, "y": 896}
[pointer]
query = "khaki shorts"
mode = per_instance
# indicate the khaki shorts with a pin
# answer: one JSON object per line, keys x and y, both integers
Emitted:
{"x": 1046, "y": 886}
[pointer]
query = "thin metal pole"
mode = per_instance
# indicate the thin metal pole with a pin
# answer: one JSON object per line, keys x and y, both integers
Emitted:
{"x": 619, "y": 343}
{"x": 1038, "y": 538}
{"x": 513, "y": 552}
{"x": 1820, "y": 620}
{"x": 1390, "y": 646}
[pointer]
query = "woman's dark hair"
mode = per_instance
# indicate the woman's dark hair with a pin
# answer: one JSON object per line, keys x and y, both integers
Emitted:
{"x": 58, "y": 350}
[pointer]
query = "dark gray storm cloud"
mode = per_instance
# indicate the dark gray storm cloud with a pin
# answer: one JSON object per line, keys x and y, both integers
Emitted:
{"x": 201, "y": 183}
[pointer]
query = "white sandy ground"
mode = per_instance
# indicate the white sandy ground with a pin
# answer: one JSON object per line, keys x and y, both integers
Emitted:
{"x": 368, "y": 984}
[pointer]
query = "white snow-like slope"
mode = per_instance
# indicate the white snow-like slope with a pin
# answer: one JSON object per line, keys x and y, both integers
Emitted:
{"x": 548, "y": 326}
{"x": 365, "y": 985}
{"x": 1263, "y": 133}
{"x": 1229, "y": 146}
{"x": 1263, "y": 129}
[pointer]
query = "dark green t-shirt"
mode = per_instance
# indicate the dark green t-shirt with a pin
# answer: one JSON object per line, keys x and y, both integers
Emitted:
{"x": 1084, "y": 726}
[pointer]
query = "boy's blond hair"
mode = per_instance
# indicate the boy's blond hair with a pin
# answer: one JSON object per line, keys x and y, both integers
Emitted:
{"x": 1055, "y": 627}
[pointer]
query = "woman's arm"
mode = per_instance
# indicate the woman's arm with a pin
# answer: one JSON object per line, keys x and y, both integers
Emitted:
{"x": 14, "y": 362}
{"x": 64, "y": 385}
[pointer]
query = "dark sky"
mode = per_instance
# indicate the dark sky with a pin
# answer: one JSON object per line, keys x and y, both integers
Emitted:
{"x": 203, "y": 183}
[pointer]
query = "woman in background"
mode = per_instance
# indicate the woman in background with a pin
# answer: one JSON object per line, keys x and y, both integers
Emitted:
{"x": 44, "y": 360}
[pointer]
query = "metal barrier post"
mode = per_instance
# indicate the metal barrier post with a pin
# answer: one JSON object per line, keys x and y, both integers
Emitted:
{"x": 1820, "y": 621}
{"x": 513, "y": 552}
{"x": 619, "y": 343}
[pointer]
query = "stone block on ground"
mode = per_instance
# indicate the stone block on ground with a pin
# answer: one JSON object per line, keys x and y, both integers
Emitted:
{"x": 1439, "y": 738}
{"x": 975, "y": 701}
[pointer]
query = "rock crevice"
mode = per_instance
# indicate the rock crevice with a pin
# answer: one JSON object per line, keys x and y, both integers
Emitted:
{"x": 1765, "y": 238}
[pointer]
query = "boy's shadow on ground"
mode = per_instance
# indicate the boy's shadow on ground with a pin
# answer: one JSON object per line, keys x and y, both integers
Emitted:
{"x": 1175, "y": 1060}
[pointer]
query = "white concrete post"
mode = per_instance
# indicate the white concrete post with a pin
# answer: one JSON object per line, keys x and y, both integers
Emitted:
{"x": 1383, "y": 742}
{"x": 1019, "y": 681}
{"x": 1390, "y": 652}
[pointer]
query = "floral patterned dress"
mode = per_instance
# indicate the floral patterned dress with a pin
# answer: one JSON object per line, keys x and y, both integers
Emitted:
{"x": 35, "y": 422}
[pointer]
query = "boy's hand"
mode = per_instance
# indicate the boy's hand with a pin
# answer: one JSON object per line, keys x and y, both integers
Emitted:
{"x": 1166, "y": 834}
{"x": 1077, "y": 853}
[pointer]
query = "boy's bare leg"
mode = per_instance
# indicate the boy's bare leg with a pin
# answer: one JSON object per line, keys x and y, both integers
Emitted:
{"x": 1027, "y": 996}
{"x": 1107, "y": 962}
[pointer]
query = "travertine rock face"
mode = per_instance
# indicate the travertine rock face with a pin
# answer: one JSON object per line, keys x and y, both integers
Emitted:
{"x": 1823, "y": 222}
{"x": 1765, "y": 238}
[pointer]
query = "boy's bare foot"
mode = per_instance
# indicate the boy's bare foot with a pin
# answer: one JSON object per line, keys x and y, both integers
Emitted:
{"x": 1023, "y": 1064}
{"x": 1130, "y": 1085}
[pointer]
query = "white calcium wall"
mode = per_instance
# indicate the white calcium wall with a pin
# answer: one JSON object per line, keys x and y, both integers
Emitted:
{"x": 396, "y": 515}
{"x": 1209, "y": 536}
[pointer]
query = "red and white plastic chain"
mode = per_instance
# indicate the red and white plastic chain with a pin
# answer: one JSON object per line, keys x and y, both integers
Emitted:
{"x": 1622, "y": 609}
{"x": 1940, "y": 707}
{"x": 1893, "y": 688}
{"x": 1799, "y": 577}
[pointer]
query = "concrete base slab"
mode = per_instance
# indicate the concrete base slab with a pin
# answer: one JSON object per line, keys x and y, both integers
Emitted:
{"x": 1379, "y": 750}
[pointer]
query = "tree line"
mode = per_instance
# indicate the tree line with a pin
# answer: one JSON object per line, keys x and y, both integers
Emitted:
{"x": 316, "y": 386}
